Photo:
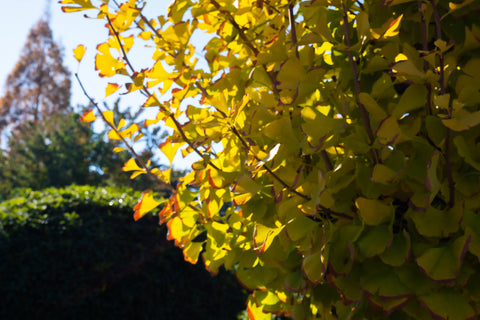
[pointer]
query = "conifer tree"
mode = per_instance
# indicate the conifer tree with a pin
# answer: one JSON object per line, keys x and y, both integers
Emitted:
{"x": 39, "y": 85}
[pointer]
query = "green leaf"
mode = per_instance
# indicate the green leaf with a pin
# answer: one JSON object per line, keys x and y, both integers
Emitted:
{"x": 290, "y": 74}
{"x": 448, "y": 304}
{"x": 281, "y": 130}
{"x": 398, "y": 251}
{"x": 256, "y": 277}
{"x": 435, "y": 129}
{"x": 374, "y": 241}
{"x": 372, "y": 106}
{"x": 463, "y": 121}
{"x": 341, "y": 251}
{"x": 443, "y": 263}
{"x": 264, "y": 236}
{"x": 471, "y": 223}
{"x": 314, "y": 268}
{"x": 437, "y": 223}
{"x": 382, "y": 281}
{"x": 318, "y": 126}
{"x": 413, "y": 98}
{"x": 432, "y": 183}
{"x": 468, "y": 151}
{"x": 388, "y": 131}
{"x": 374, "y": 212}
{"x": 383, "y": 174}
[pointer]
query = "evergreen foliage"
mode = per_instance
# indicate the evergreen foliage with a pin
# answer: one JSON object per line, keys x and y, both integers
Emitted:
{"x": 76, "y": 253}
{"x": 39, "y": 85}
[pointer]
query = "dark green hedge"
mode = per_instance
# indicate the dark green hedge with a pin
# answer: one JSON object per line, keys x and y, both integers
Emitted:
{"x": 76, "y": 253}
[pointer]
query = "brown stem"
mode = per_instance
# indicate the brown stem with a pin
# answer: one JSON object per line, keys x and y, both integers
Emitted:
{"x": 273, "y": 174}
{"x": 356, "y": 81}
{"x": 423, "y": 29}
{"x": 117, "y": 36}
{"x": 443, "y": 90}
{"x": 293, "y": 32}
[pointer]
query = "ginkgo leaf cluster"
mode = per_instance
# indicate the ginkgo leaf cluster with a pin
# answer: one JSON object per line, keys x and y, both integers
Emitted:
{"x": 338, "y": 165}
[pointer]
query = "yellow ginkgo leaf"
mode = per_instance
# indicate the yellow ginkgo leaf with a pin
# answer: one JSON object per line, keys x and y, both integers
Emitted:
{"x": 111, "y": 88}
{"x": 108, "y": 115}
{"x": 388, "y": 29}
{"x": 79, "y": 51}
{"x": 78, "y": 5}
{"x": 393, "y": 28}
{"x": 106, "y": 64}
{"x": 170, "y": 149}
{"x": 87, "y": 117}
{"x": 146, "y": 204}
{"x": 118, "y": 149}
{"x": 131, "y": 165}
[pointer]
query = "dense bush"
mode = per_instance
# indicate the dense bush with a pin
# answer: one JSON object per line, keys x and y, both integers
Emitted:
{"x": 76, "y": 253}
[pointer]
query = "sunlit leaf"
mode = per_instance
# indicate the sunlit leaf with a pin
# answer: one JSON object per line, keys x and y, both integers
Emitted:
{"x": 106, "y": 64}
{"x": 79, "y": 51}
{"x": 111, "y": 88}
{"x": 170, "y": 149}
{"x": 87, "y": 117}
{"x": 131, "y": 165}
{"x": 146, "y": 204}
{"x": 76, "y": 5}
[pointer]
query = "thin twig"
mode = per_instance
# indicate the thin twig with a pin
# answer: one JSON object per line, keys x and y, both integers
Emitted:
{"x": 170, "y": 115}
{"x": 443, "y": 90}
{"x": 356, "y": 81}
{"x": 241, "y": 31}
{"x": 130, "y": 148}
{"x": 423, "y": 29}
{"x": 293, "y": 31}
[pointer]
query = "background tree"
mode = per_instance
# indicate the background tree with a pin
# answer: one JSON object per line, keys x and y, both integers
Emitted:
{"x": 47, "y": 145}
{"x": 59, "y": 151}
{"x": 338, "y": 144}
{"x": 39, "y": 85}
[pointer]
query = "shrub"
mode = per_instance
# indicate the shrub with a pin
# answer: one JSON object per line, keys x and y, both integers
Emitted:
{"x": 76, "y": 253}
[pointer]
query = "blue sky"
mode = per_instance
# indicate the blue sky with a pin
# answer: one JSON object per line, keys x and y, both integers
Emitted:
{"x": 70, "y": 30}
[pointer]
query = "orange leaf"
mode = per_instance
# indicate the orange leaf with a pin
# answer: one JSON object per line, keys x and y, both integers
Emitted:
{"x": 87, "y": 117}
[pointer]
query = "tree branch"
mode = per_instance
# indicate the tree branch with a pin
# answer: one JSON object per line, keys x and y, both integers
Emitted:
{"x": 356, "y": 81}
{"x": 170, "y": 115}
{"x": 443, "y": 90}
{"x": 423, "y": 29}
{"x": 130, "y": 148}
{"x": 293, "y": 31}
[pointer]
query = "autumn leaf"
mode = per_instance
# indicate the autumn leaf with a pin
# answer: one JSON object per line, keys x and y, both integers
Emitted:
{"x": 146, "y": 204}
{"x": 111, "y": 88}
{"x": 87, "y": 117}
{"x": 79, "y": 51}
{"x": 76, "y": 5}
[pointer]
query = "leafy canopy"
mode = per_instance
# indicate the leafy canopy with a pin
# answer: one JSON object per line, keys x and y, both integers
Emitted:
{"x": 338, "y": 165}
